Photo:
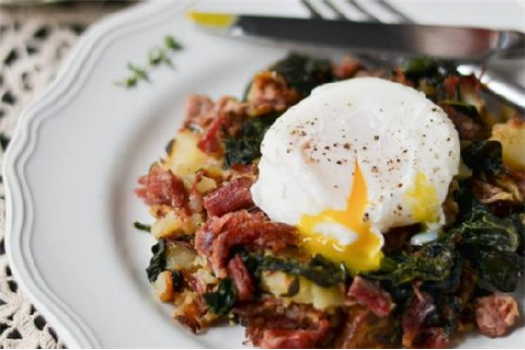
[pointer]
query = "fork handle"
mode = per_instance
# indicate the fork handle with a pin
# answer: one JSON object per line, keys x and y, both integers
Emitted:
{"x": 510, "y": 44}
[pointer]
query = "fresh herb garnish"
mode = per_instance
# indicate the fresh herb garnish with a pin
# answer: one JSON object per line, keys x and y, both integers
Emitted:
{"x": 221, "y": 301}
{"x": 156, "y": 56}
{"x": 142, "y": 227}
{"x": 171, "y": 43}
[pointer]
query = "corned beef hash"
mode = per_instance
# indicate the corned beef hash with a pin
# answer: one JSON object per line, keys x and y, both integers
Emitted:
{"x": 335, "y": 206}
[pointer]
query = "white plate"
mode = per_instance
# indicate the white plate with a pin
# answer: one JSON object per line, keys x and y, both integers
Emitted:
{"x": 73, "y": 165}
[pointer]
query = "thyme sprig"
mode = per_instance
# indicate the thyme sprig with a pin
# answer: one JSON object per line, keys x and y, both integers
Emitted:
{"x": 158, "y": 55}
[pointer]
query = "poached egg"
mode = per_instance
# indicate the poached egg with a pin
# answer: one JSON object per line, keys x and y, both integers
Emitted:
{"x": 353, "y": 160}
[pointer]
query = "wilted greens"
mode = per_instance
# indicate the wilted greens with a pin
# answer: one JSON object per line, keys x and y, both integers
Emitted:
{"x": 484, "y": 156}
{"x": 318, "y": 270}
{"x": 303, "y": 73}
{"x": 222, "y": 300}
{"x": 246, "y": 147}
{"x": 491, "y": 245}
{"x": 432, "y": 262}
{"x": 157, "y": 264}
{"x": 429, "y": 68}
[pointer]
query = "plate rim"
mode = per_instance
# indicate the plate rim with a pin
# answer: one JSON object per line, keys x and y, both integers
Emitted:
{"x": 69, "y": 80}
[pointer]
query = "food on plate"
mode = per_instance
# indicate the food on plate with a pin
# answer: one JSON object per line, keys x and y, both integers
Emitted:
{"x": 339, "y": 206}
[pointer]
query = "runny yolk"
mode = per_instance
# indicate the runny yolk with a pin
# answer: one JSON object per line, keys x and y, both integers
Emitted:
{"x": 364, "y": 253}
{"x": 423, "y": 201}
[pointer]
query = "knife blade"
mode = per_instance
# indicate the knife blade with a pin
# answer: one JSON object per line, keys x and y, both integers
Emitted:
{"x": 455, "y": 43}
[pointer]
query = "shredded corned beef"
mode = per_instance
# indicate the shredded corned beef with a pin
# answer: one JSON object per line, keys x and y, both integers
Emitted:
{"x": 370, "y": 294}
{"x": 242, "y": 278}
{"x": 496, "y": 314}
{"x": 232, "y": 196}
{"x": 210, "y": 142}
{"x": 214, "y": 226}
{"x": 269, "y": 235}
{"x": 414, "y": 317}
{"x": 467, "y": 128}
{"x": 272, "y": 325}
{"x": 162, "y": 187}
{"x": 282, "y": 338}
{"x": 198, "y": 111}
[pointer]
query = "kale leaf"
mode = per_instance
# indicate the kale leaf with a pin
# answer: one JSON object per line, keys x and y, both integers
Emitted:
{"x": 424, "y": 67}
{"x": 177, "y": 280}
{"x": 491, "y": 244}
{"x": 484, "y": 156}
{"x": 421, "y": 67}
{"x": 519, "y": 222}
{"x": 324, "y": 272}
{"x": 318, "y": 270}
{"x": 452, "y": 282}
{"x": 157, "y": 264}
{"x": 222, "y": 301}
{"x": 501, "y": 269}
{"x": 246, "y": 147}
{"x": 432, "y": 262}
{"x": 303, "y": 73}
{"x": 489, "y": 231}
{"x": 470, "y": 208}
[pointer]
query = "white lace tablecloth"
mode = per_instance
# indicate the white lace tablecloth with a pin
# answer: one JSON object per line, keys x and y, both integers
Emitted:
{"x": 33, "y": 43}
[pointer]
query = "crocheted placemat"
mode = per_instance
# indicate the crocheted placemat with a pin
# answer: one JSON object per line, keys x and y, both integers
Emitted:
{"x": 33, "y": 43}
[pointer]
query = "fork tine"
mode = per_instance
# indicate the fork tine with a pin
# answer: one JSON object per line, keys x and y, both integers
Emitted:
{"x": 337, "y": 12}
{"x": 313, "y": 12}
{"x": 361, "y": 9}
{"x": 387, "y": 6}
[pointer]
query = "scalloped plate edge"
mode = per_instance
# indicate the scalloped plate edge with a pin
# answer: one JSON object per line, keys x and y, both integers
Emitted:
{"x": 19, "y": 206}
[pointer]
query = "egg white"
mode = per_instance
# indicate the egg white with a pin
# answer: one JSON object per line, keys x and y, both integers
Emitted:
{"x": 405, "y": 146}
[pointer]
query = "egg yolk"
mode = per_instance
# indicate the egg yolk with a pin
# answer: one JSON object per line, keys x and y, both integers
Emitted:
{"x": 362, "y": 254}
{"x": 423, "y": 201}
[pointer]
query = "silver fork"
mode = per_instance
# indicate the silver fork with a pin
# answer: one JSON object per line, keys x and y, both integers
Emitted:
{"x": 353, "y": 10}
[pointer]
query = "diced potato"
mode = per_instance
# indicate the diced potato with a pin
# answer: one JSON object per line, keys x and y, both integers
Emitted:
{"x": 180, "y": 257}
{"x": 185, "y": 157}
{"x": 206, "y": 185}
{"x": 279, "y": 284}
{"x": 276, "y": 282}
{"x": 321, "y": 298}
{"x": 188, "y": 311}
{"x": 512, "y": 138}
{"x": 325, "y": 298}
{"x": 205, "y": 277}
{"x": 170, "y": 226}
{"x": 164, "y": 286}
{"x": 471, "y": 96}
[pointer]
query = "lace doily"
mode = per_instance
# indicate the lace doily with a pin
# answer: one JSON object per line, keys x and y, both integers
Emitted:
{"x": 33, "y": 43}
